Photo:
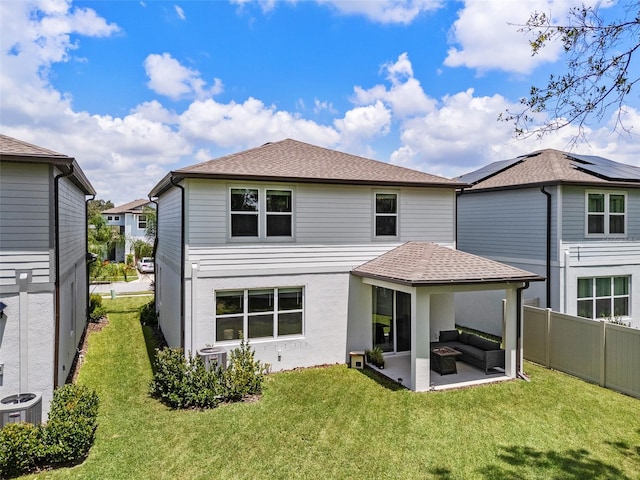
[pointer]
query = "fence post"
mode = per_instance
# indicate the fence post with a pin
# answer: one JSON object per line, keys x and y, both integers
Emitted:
{"x": 603, "y": 357}
{"x": 547, "y": 339}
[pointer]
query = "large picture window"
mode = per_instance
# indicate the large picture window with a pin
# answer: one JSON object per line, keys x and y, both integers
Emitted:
{"x": 261, "y": 213}
{"x": 603, "y": 297}
{"x": 606, "y": 213}
{"x": 259, "y": 313}
{"x": 386, "y": 214}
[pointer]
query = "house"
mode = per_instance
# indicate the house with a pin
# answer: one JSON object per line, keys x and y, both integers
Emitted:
{"x": 574, "y": 219}
{"x": 43, "y": 272}
{"x": 131, "y": 221}
{"x": 311, "y": 253}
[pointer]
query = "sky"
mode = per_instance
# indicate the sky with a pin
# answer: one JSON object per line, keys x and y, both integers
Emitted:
{"x": 134, "y": 89}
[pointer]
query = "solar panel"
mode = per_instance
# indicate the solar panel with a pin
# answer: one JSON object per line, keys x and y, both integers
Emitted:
{"x": 488, "y": 170}
{"x": 603, "y": 167}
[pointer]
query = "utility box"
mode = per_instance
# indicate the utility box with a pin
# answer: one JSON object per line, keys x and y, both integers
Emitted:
{"x": 356, "y": 360}
{"x": 22, "y": 407}
{"x": 213, "y": 355}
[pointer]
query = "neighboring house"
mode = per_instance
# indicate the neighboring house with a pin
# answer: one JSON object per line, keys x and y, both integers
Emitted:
{"x": 131, "y": 220}
{"x": 310, "y": 253}
{"x": 574, "y": 219}
{"x": 43, "y": 272}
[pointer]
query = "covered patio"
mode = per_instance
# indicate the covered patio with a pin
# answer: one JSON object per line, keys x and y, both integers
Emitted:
{"x": 421, "y": 279}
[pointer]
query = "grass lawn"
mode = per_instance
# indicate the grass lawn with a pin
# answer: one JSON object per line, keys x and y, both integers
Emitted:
{"x": 337, "y": 422}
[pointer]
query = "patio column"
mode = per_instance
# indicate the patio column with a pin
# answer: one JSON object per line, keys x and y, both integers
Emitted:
{"x": 510, "y": 332}
{"x": 421, "y": 319}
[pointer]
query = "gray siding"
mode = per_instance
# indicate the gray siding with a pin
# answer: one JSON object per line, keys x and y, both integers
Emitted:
{"x": 505, "y": 224}
{"x": 24, "y": 207}
{"x": 73, "y": 228}
{"x": 573, "y": 213}
{"x": 25, "y": 219}
{"x": 326, "y": 213}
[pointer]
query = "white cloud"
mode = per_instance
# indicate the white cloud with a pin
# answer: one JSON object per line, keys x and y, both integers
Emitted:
{"x": 486, "y": 35}
{"x": 180, "y": 12}
{"x": 384, "y": 11}
{"x": 169, "y": 78}
{"x": 406, "y": 96}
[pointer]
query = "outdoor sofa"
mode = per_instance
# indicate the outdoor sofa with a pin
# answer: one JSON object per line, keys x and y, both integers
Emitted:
{"x": 478, "y": 351}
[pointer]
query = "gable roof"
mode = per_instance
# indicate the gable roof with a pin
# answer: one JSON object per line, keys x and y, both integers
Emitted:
{"x": 425, "y": 263}
{"x": 548, "y": 167}
{"x": 14, "y": 150}
{"x": 294, "y": 161}
{"x": 130, "y": 207}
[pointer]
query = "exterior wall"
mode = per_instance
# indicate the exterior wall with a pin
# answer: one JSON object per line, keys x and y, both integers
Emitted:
{"x": 324, "y": 338}
{"x": 573, "y": 214}
{"x": 325, "y": 213}
{"x": 73, "y": 274}
{"x": 506, "y": 225}
{"x": 168, "y": 266}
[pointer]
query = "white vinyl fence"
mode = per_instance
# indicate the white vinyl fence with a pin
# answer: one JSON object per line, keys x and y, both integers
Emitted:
{"x": 599, "y": 352}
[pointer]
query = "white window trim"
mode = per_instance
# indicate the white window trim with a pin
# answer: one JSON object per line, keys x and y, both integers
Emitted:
{"x": 246, "y": 315}
{"x": 145, "y": 221}
{"x": 375, "y": 215}
{"x": 262, "y": 214}
{"x": 593, "y": 298}
{"x": 607, "y": 194}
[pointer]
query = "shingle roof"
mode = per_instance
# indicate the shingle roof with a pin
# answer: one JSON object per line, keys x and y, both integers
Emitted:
{"x": 14, "y": 150}
{"x": 293, "y": 160}
{"x": 127, "y": 207}
{"x": 541, "y": 167}
{"x": 423, "y": 263}
{"x": 12, "y": 146}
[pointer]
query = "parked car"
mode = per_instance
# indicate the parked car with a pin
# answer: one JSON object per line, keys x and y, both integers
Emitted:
{"x": 146, "y": 265}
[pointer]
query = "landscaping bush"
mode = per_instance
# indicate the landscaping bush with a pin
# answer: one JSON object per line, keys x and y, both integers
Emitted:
{"x": 21, "y": 449}
{"x": 70, "y": 430}
{"x": 65, "y": 439}
{"x": 181, "y": 381}
{"x": 148, "y": 315}
{"x": 244, "y": 375}
{"x": 96, "y": 310}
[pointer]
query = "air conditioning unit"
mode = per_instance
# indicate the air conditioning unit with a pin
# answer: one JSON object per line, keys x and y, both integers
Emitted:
{"x": 213, "y": 355}
{"x": 22, "y": 407}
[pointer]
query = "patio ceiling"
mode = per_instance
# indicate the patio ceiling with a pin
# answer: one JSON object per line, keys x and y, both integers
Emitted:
{"x": 429, "y": 264}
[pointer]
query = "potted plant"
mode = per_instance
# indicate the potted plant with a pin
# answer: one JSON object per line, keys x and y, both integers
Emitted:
{"x": 374, "y": 357}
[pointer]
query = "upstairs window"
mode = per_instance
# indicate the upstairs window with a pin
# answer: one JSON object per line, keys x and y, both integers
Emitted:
{"x": 386, "y": 221}
{"x": 261, "y": 213}
{"x": 279, "y": 213}
{"x": 142, "y": 222}
{"x": 244, "y": 212}
{"x": 606, "y": 214}
{"x": 603, "y": 297}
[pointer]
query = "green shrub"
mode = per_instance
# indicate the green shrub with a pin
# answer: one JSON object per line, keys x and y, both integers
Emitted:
{"x": 96, "y": 310}
{"x": 65, "y": 439}
{"x": 184, "y": 382}
{"x": 181, "y": 381}
{"x": 70, "y": 430}
{"x": 148, "y": 315}
{"x": 244, "y": 375}
{"x": 21, "y": 449}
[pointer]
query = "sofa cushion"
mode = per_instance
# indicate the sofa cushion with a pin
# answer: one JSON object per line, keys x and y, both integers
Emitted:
{"x": 448, "y": 335}
{"x": 464, "y": 337}
{"x": 483, "y": 343}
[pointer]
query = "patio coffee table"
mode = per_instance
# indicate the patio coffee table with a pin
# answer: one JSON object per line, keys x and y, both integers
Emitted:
{"x": 443, "y": 360}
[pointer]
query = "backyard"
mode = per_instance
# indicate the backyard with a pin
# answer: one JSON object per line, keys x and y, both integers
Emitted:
{"x": 335, "y": 422}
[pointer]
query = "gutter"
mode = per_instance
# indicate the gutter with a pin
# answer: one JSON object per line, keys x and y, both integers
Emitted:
{"x": 56, "y": 220}
{"x": 548, "y": 247}
{"x": 182, "y": 259}
{"x": 519, "y": 372}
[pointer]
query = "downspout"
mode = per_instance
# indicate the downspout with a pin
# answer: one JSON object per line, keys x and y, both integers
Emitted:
{"x": 182, "y": 260}
{"x": 548, "y": 246}
{"x": 455, "y": 231}
{"x": 89, "y": 258}
{"x": 519, "y": 372}
{"x": 56, "y": 253}
{"x": 155, "y": 240}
